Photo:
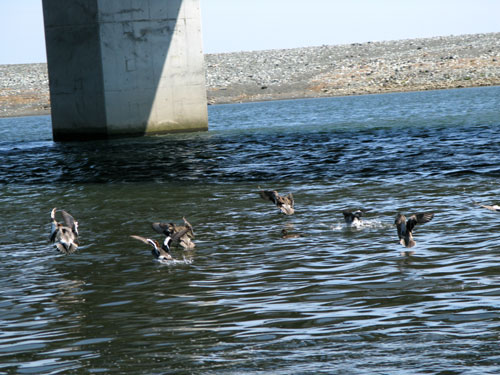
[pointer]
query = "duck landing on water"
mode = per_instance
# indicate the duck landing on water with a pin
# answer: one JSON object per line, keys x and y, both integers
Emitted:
{"x": 405, "y": 227}
{"x": 284, "y": 203}
{"x": 170, "y": 229}
{"x": 64, "y": 236}
{"x": 162, "y": 252}
{"x": 353, "y": 218}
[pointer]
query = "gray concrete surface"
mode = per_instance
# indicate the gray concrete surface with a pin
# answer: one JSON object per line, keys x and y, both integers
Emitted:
{"x": 124, "y": 68}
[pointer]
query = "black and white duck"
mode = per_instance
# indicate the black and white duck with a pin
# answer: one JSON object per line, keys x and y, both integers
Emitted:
{"x": 494, "y": 207}
{"x": 162, "y": 252}
{"x": 171, "y": 229}
{"x": 353, "y": 217}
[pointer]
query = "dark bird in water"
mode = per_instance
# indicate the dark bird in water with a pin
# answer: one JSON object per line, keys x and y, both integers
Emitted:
{"x": 285, "y": 234}
{"x": 492, "y": 208}
{"x": 405, "y": 226}
{"x": 353, "y": 218}
{"x": 170, "y": 229}
{"x": 162, "y": 252}
{"x": 284, "y": 203}
{"x": 64, "y": 236}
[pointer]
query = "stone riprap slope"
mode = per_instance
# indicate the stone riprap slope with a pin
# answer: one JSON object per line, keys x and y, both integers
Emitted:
{"x": 24, "y": 90}
{"x": 393, "y": 66}
{"x": 373, "y": 67}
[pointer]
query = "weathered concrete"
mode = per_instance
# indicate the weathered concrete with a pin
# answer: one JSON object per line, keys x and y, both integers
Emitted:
{"x": 124, "y": 67}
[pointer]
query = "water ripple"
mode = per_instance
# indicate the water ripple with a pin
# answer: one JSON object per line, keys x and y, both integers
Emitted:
{"x": 245, "y": 300}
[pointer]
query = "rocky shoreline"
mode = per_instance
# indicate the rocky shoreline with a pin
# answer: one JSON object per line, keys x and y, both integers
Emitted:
{"x": 353, "y": 69}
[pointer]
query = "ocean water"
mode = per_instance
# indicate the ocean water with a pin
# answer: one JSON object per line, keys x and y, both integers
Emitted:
{"x": 337, "y": 300}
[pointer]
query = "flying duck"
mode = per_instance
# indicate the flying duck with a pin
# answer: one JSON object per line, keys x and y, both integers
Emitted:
{"x": 64, "y": 236}
{"x": 170, "y": 229}
{"x": 284, "y": 203}
{"x": 405, "y": 226}
{"x": 162, "y": 252}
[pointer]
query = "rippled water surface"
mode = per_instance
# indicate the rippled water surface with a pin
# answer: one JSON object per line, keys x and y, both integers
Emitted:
{"x": 246, "y": 301}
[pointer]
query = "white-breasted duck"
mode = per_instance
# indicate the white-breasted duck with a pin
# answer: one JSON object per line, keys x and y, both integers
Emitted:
{"x": 64, "y": 236}
{"x": 170, "y": 229}
{"x": 405, "y": 226}
{"x": 353, "y": 217}
{"x": 161, "y": 252}
{"x": 491, "y": 208}
{"x": 284, "y": 203}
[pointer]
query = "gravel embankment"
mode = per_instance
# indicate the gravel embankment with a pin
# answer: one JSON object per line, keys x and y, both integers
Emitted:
{"x": 392, "y": 66}
{"x": 24, "y": 90}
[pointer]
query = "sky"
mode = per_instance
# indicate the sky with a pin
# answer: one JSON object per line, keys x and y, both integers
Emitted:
{"x": 247, "y": 25}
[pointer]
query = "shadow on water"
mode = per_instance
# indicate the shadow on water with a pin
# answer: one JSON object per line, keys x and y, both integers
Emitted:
{"x": 295, "y": 156}
{"x": 407, "y": 137}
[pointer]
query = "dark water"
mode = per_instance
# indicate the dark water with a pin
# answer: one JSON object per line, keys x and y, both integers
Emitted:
{"x": 245, "y": 301}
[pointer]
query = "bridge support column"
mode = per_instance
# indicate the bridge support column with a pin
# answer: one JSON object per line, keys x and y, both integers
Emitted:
{"x": 124, "y": 67}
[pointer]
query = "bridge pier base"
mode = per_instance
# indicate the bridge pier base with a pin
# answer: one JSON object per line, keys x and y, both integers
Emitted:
{"x": 124, "y": 68}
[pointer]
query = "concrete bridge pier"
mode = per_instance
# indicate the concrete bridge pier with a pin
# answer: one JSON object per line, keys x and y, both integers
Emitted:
{"x": 124, "y": 67}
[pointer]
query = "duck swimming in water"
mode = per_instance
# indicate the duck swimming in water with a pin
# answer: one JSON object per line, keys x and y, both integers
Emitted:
{"x": 491, "y": 208}
{"x": 405, "y": 226}
{"x": 284, "y": 203}
{"x": 286, "y": 235}
{"x": 170, "y": 229}
{"x": 64, "y": 236}
{"x": 162, "y": 252}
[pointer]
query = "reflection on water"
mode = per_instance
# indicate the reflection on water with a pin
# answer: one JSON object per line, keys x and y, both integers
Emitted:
{"x": 246, "y": 300}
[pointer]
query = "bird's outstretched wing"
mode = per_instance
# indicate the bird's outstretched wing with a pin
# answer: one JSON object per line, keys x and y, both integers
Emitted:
{"x": 270, "y": 195}
{"x": 419, "y": 218}
{"x": 189, "y": 226}
{"x": 162, "y": 228}
{"x": 142, "y": 239}
{"x": 176, "y": 236}
{"x": 157, "y": 251}
{"x": 69, "y": 221}
{"x": 53, "y": 214}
